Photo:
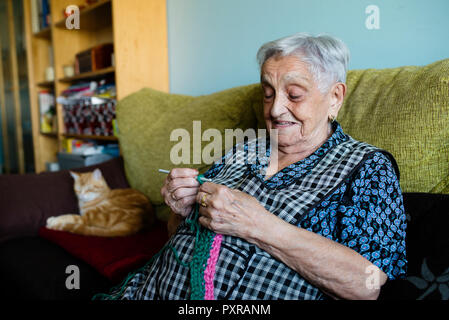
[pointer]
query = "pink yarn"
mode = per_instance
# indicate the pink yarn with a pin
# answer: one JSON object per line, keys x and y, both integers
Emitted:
{"x": 209, "y": 273}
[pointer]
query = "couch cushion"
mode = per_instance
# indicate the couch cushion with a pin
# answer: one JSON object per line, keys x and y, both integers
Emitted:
{"x": 404, "y": 110}
{"x": 147, "y": 118}
{"x": 27, "y": 200}
{"x": 427, "y": 250}
{"x": 112, "y": 257}
{"x": 33, "y": 268}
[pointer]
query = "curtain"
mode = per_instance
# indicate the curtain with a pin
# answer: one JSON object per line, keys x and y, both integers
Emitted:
{"x": 16, "y": 145}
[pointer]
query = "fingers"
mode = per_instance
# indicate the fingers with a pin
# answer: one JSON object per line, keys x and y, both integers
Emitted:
{"x": 206, "y": 222}
{"x": 181, "y": 207}
{"x": 218, "y": 190}
{"x": 183, "y": 173}
{"x": 203, "y": 199}
{"x": 182, "y": 202}
{"x": 210, "y": 187}
{"x": 180, "y": 193}
{"x": 173, "y": 185}
{"x": 210, "y": 218}
{"x": 184, "y": 206}
{"x": 180, "y": 189}
{"x": 214, "y": 195}
{"x": 185, "y": 202}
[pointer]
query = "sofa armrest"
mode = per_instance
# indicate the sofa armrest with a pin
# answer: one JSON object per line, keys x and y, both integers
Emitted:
{"x": 26, "y": 201}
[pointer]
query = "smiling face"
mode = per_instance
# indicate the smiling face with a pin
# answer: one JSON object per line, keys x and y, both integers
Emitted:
{"x": 294, "y": 105}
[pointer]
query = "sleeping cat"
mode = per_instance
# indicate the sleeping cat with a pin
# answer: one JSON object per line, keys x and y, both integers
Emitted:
{"x": 104, "y": 212}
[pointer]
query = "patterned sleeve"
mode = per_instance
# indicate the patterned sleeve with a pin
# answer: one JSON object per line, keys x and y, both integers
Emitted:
{"x": 376, "y": 227}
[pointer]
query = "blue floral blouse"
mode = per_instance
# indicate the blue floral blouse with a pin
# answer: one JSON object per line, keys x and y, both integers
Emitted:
{"x": 365, "y": 213}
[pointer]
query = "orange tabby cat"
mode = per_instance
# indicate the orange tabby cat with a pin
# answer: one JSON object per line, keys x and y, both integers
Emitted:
{"x": 104, "y": 212}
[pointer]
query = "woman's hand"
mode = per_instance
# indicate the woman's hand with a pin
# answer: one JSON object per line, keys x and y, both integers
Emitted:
{"x": 228, "y": 211}
{"x": 180, "y": 189}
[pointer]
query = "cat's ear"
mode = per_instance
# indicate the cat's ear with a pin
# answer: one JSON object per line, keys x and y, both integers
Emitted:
{"x": 97, "y": 174}
{"x": 74, "y": 175}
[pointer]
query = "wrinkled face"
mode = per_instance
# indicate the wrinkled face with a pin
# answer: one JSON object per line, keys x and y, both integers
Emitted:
{"x": 293, "y": 104}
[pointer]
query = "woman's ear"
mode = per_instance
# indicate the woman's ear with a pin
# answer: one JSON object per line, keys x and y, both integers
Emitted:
{"x": 338, "y": 93}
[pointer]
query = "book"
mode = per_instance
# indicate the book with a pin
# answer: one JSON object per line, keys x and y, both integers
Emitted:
{"x": 39, "y": 13}
{"x": 45, "y": 14}
{"x": 47, "y": 111}
{"x": 35, "y": 27}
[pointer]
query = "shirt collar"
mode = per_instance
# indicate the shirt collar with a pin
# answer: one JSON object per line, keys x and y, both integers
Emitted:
{"x": 291, "y": 173}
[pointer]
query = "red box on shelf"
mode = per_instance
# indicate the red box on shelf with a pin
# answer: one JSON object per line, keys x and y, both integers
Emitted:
{"x": 95, "y": 58}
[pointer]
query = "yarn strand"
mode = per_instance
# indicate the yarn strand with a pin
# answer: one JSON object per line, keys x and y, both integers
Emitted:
{"x": 197, "y": 265}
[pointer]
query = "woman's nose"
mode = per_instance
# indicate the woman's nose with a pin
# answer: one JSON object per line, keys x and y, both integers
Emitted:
{"x": 278, "y": 108}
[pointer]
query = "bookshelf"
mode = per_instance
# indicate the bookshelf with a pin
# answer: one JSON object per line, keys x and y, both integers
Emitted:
{"x": 88, "y": 75}
{"x": 138, "y": 31}
{"x": 44, "y": 33}
{"x": 89, "y": 137}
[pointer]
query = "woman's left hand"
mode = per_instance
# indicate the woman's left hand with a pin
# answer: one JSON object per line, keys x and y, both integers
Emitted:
{"x": 228, "y": 211}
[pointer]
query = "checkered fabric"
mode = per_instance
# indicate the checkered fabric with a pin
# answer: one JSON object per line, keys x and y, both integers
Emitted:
{"x": 244, "y": 271}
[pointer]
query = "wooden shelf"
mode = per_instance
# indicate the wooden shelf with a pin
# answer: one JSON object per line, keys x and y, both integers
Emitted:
{"x": 46, "y": 84}
{"x": 138, "y": 30}
{"x": 86, "y": 137}
{"x": 88, "y": 75}
{"x": 44, "y": 33}
{"x": 97, "y": 8}
{"x": 49, "y": 134}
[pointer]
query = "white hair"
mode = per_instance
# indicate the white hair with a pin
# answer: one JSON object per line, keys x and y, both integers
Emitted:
{"x": 327, "y": 57}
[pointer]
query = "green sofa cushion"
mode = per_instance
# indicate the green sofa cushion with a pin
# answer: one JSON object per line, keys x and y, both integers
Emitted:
{"x": 146, "y": 119}
{"x": 404, "y": 110}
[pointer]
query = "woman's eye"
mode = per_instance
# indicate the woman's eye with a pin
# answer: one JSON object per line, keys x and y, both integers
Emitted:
{"x": 268, "y": 95}
{"x": 294, "y": 93}
{"x": 268, "y": 92}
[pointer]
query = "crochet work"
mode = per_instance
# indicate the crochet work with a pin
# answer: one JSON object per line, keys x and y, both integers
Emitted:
{"x": 201, "y": 266}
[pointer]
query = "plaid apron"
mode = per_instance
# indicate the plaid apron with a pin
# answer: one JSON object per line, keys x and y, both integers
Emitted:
{"x": 242, "y": 270}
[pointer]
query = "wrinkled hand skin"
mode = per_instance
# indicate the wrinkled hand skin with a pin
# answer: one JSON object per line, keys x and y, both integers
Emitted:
{"x": 180, "y": 189}
{"x": 228, "y": 211}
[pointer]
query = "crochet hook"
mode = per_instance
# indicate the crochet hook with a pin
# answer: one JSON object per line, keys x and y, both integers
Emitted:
{"x": 201, "y": 177}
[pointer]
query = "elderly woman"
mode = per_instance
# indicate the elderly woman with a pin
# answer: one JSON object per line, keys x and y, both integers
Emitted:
{"x": 326, "y": 219}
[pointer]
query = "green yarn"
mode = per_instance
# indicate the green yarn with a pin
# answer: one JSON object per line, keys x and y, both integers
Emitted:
{"x": 199, "y": 263}
{"x": 203, "y": 242}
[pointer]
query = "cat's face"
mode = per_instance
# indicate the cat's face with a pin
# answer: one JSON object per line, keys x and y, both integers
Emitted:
{"x": 90, "y": 185}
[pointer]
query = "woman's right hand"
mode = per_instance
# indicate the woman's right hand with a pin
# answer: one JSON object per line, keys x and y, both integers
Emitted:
{"x": 180, "y": 189}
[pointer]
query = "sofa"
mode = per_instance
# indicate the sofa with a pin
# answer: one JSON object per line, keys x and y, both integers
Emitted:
{"x": 404, "y": 110}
